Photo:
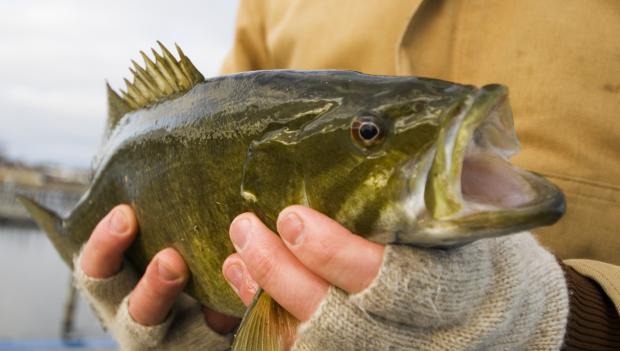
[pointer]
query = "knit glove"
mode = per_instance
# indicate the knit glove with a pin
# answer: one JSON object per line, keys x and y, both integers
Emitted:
{"x": 183, "y": 329}
{"x": 503, "y": 293}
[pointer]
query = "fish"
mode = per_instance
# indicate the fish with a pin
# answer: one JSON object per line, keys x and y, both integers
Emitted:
{"x": 397, "y": 160}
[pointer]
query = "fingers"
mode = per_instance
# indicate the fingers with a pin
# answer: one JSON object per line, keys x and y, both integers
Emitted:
{"x": 239, "y": 278}
{"x": 345, "y": 260}
{"x": 103, "y": 253}
{"x": 219, "y": 322}
{"x": 296, "y": 272}
{"x": 165, "y": 277}
{"x": 163, "y": 281}
{"x": 274, "y": 268}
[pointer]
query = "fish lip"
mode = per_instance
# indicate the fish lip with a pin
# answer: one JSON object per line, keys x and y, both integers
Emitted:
{"x": 483, "y": 134}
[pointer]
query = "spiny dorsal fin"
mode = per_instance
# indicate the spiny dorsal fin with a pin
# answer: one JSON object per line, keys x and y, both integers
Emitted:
{"x": 157, "y": 81}
{"x": 117, "y": 107}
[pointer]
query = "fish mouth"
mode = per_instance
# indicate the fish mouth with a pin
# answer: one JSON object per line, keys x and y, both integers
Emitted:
{"x": 472, "y": 191}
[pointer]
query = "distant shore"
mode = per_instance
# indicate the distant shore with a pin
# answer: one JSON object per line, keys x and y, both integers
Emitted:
{"x": 56, "y": 187}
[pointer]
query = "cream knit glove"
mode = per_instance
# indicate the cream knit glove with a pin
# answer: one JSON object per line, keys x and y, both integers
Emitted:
{"x": 494, "y": 294}
{"x": 184, "y": 329}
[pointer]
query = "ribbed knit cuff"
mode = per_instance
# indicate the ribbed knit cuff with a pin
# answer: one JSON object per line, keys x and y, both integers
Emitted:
{"x": 593, "y": 321}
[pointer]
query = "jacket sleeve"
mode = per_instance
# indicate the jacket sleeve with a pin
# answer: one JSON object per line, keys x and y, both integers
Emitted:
{"x": 249, "y": 51}
{"x": 594, "y": 291}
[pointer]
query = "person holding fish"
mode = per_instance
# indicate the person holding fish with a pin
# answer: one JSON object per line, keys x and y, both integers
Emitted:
{"x": 352, "y": 293}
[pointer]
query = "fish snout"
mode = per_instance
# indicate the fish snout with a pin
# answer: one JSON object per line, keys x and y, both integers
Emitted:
{"x": 472, "y": 190}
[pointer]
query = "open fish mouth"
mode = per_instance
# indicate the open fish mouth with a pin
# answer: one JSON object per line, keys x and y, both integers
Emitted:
{"x": 471, "y": 190}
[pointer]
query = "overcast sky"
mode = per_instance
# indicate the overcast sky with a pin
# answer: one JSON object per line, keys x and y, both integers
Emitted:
{"x": 55, "y": 56}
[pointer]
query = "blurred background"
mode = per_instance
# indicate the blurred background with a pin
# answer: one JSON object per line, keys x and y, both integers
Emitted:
{"x": 55, "y": 57}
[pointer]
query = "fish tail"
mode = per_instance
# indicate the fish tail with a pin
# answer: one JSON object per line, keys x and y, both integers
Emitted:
{"x": 53, "y": 225}
{"x": 266, "y": 326}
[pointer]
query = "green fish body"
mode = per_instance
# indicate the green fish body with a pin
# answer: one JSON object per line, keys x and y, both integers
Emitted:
{"x": 395, "y": 159}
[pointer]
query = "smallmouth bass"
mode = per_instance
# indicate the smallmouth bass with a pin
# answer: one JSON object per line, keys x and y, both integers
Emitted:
{"x": 395, "y": 159}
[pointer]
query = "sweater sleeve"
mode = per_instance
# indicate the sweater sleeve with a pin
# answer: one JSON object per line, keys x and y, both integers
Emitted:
{"x": 494, "y": 294}
{"x": 593, "y": 321}
{"x": 183, "y": 329}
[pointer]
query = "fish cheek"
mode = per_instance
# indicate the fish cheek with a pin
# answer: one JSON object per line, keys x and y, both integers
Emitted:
{"x": 272, "y": 179}
{"x": 347, "y": 184}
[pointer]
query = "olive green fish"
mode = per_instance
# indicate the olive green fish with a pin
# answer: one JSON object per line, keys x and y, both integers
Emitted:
{"x": 400, "y": 160}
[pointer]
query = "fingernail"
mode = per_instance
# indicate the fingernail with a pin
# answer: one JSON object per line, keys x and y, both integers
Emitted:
{"x": 239, "y": 232}
{"x": 118, "y": 222}
{"x": 166, "y": 272}
{"x": 234, "y": 275}
{"x": 291, "y": 228}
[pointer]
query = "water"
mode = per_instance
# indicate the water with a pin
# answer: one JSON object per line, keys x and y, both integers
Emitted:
{"x": 34, "y": 286}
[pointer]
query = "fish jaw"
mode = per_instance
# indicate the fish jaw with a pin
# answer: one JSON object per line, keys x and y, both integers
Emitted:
{"x": 469, "y": 188}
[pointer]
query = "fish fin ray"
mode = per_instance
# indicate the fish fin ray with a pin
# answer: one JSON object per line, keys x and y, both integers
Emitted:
{"x": 266, "y": 326}
{"x": 117, "y": 108}
{"x": 162, "y": 78}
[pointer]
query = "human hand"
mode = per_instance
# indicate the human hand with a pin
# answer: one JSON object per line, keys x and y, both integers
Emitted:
{"x": 140, "y": 314}
{"x": 315, "y": 253}
{"x": 506, "y": 293}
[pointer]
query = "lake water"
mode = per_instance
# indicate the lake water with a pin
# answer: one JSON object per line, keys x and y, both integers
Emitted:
{"x": 34, "y": 286}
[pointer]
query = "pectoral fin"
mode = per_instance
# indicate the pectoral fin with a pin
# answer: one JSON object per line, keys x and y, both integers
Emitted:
{"x": 266, "y": 326}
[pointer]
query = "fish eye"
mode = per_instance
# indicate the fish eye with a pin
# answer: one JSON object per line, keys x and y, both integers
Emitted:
{"x": 419, "y": 106}
{"x": 367, "y": 131}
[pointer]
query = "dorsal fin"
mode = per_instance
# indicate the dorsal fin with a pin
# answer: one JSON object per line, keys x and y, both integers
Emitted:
{"x": 157, "y": 81}
{"x": 117, "y": 108}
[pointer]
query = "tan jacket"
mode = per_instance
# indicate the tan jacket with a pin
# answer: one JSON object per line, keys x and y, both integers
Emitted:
{"x": 560, "y": 58}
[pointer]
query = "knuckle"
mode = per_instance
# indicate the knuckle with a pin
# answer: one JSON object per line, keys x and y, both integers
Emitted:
{"x": 101, "y": 238}
{"x": 161, "y": 285}
{"x": 154, "y": 288}
{"x": 158, "y": 294}
{"x": 105, "y": 244}
{"x": 153, "y": 297}
{"x": 103, "y": 252}
{"x": 324, "y": 254}
{"x": 261, "y": 268}
{"x": 147, "y": 289}
{"x": 96, "y": 255}
{"x": 93, "y": 253}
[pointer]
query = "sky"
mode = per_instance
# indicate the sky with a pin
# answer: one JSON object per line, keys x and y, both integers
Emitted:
{"x": 56, "y": 55}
